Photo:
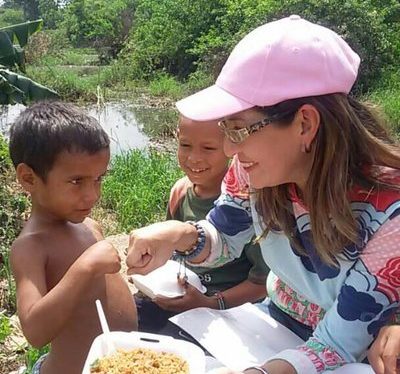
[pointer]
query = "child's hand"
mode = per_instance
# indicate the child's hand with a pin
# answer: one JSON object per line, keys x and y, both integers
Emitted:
{"x": 193, "y": 298}
{"x": 101, "y": 258}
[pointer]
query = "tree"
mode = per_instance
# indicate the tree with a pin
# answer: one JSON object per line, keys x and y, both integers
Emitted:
{"x": 50, "y": 12}
{"x": 101, "y": 24}
{"x": 30, "y": 7}
{"x": 165, "y": 33}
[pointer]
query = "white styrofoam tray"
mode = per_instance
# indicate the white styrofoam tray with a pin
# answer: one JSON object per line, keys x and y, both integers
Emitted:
{"x": 163, "y": 281}
{"x": 189, "y": 352}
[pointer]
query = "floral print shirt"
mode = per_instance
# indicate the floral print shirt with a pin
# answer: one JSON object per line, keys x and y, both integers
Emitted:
{"x": 347, "y": 304}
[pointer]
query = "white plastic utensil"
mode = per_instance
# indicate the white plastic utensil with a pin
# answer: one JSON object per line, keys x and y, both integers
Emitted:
{"x": 104, "y": 326}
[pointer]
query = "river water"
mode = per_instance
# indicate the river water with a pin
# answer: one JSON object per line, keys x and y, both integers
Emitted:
{"x": 129, "y": 126}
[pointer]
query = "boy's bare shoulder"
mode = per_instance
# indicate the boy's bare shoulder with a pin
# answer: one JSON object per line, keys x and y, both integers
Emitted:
{"x": 27, "y": 241}
{"x": 94, "y": 227}
{"x": 28, "y": 248}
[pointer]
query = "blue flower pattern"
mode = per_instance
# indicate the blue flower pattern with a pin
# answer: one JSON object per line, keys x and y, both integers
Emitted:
{"x": 365, "y": 309}
{"x": 230, "y": 220}
{"x": 312, "y": 262}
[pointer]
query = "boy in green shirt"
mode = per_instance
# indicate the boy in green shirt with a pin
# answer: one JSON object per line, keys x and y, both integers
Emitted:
{"x": 201, "y": 157}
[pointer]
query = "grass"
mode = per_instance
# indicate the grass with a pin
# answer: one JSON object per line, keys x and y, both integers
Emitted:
{"x": 70, "y": 56}
{"x": 137, "y": 188}
{"x": 32, "y": 355}
{"x": 166, "y": 85}
{"x": 387, "y": 96}
{"x": 75, "y": 74}
{"x": 71, "y": 84}
{"x": 5, "y": 327}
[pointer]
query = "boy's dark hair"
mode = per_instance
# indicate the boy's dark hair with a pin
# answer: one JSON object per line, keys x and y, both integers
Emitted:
{"x": 45, "y": 129}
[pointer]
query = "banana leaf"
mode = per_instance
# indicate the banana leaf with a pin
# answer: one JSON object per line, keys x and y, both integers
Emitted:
{"x": 20, "y": 32}
{"x": 15, "y": 88}
{"x": 12, "y": 39}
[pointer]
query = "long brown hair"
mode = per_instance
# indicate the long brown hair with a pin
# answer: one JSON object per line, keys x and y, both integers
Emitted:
{"x": 352, "y": 141}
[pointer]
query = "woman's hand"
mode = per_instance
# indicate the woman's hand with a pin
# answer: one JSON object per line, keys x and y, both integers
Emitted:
{"x": 385, "y": 351}
{"x": 193, "y": 298}
{"x": 150, "y": 247}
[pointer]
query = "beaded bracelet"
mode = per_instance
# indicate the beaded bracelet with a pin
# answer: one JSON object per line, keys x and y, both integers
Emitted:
{"x": 259, "y": 368}
{"x": 196, "y": 249}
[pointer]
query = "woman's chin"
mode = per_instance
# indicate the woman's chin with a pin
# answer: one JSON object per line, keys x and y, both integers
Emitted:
{"x": 260, "y": 183}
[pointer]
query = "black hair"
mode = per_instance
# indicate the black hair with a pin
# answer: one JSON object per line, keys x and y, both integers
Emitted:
{"x": 42, "y": 131}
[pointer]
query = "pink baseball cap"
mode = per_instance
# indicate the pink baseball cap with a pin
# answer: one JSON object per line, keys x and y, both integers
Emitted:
{"x": 278, "y": 61}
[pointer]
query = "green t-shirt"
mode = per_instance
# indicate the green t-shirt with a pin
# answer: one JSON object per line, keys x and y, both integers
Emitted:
{"x": 184, "y": 205}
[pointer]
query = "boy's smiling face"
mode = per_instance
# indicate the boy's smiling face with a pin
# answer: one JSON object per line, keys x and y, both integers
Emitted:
{"x": 201, "y": 155}
{"x": 72, "y": 186}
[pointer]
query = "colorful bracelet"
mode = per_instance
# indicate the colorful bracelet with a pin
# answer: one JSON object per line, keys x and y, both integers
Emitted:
{"x": 259, "y": 368}
{"x": 196, "y": 249}
{"x": 221, "y": 301}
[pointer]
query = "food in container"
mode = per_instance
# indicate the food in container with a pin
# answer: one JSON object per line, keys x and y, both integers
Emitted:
{"x": 139, "y": 361}
{"x": 145, "y": 345}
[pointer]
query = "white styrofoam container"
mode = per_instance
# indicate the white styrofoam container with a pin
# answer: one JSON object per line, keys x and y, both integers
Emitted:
{"x": 189, "y": 352}
{"x": 163, "y": 281}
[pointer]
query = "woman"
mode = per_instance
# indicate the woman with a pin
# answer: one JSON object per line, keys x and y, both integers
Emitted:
{"x": 325, "y": 201}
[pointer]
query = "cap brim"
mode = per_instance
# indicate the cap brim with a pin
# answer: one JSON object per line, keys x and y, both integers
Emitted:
{"x": 210, "y": 104}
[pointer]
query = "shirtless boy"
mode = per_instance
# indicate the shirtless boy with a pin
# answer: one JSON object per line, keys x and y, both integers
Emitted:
{"x": 60, "y": 261}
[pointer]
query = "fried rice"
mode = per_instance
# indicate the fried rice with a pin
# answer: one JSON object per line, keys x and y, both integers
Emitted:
{"x": 140, "y": 361}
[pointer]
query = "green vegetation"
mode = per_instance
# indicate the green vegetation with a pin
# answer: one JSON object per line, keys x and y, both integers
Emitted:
{"x": 5, "y": 328}
{"x": 387, "y": 96}
{"x": 173, "y": 47}
{"x": 10, "y": 17}
{"x": 137, "y": 187}
{"x": 180, "y": 36}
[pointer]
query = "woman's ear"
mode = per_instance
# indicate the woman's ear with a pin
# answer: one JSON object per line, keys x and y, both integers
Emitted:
{"x": 310, "y": 121}
{"x": 26, "y": 177}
